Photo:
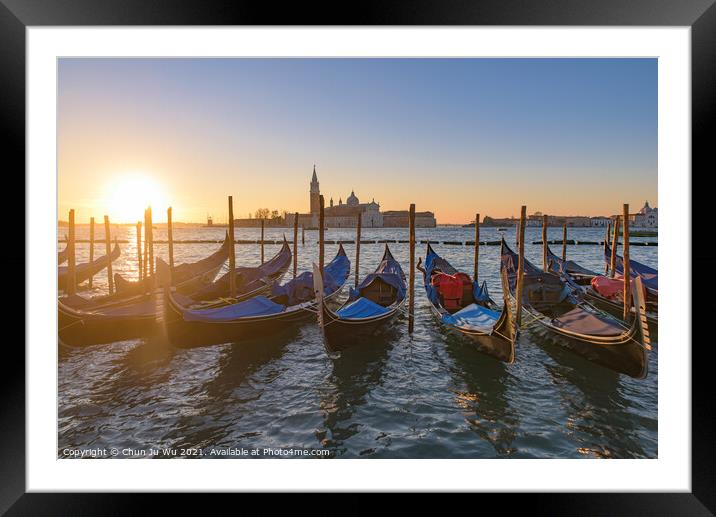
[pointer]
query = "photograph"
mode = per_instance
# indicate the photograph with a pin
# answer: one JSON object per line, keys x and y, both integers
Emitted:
{"x": 357, "y": 257}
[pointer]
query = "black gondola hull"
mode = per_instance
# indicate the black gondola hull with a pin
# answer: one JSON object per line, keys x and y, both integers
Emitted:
{"x": 84, "y": 329}
{"x": 341, "y": 334}
{"x": 624, "y": 355}
{"x": 500, "y": 344}
{"x": 192, "y": 334}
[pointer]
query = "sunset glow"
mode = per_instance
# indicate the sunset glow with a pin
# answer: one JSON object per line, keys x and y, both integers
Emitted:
{"x": 127, "y": 195}
{"x": 453, "y": 136}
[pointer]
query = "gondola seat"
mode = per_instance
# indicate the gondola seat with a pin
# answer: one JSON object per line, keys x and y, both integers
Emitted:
{"x": 582, "y": 322}
{"x": 466, "y": 298}
{"x": 450, "y": 290}
{"x": 543, "y": 290}
{"x": 379, "y": 292}
{"x": 612, "y": 288}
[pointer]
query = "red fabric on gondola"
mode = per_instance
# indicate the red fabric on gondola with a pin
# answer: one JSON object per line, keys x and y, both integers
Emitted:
{"x": 450, "y": 289}
{"x": 612, "y": 288}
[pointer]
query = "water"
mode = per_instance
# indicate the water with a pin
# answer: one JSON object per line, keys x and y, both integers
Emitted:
{"x": 428, "y": 395}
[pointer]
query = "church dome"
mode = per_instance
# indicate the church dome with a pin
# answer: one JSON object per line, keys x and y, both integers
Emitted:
{"x": 352, "y": 199}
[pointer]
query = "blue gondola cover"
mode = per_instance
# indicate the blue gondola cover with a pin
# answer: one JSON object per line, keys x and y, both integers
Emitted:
{"x": 256, "y": 306}
{"x": 473, "y": 316}
{"x": 361, "y": 308}
{"x": 300, "y": 289}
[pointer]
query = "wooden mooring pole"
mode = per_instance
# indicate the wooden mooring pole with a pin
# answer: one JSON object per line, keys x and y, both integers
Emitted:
{"x": 263, "y": 221}
{"x": 108, "y": 251}
{"x": 232, "y": 251}
{"x": 606, "y": 243}
{"x": 411, "y": 276}
{"x": 145, "y": 270}
{"x": 627, "y": 276}
{"x": 71, "y": 279}
{"x": 139, "y": 248}
{"x": 615, "y": 242}
{"x": 545, "y": 266}
{"x": 477, "y": 244}
{"x": 170, "y": 238}
{"x": 91, "y": 250}
{"x": 151, "y": 243}
{"x": 564, "y": 241}
{"x": 321, "y": 232}
{"x": 295, "y": 245}
{"x": 358, "y": 228}
{"x": 521, "y": 265}
{"x": 303, "y": 235}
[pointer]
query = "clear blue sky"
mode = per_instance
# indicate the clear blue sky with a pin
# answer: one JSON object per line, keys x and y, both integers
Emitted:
{"x": 564, "y": 136}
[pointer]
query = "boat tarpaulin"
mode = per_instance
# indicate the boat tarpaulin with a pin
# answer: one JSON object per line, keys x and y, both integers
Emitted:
{"x": 300, "y": 289}
{"x": 473, "y": 317}
{"x": 361, "y": 308}
{"x": 612, "y": 288}
{"x": 248, "y": 279}
{"x": 649, "y": 275}
{"x": 388, "y": 271}
{"x": 584, "y": 322}
{"x": 256, "y": 306}
{"x": 480, "y": 293}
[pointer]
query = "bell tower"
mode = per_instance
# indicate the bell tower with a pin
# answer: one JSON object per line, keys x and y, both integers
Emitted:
{"x": 315, "y": 193}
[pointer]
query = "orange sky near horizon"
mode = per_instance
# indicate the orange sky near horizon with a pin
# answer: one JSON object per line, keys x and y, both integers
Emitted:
{"x": 290, "y": 191}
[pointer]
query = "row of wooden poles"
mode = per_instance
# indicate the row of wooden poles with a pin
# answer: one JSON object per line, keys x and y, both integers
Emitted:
{"x": 146, "y": 263}
{"x": 321, "y": 252}
{"x": 71, "y": 285}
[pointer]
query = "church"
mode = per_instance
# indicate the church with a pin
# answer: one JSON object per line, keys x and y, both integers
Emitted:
{"x": 345, "y": 215}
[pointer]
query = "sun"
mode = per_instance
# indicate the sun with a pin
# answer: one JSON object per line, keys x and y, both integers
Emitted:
{"x": 129, "y": 194}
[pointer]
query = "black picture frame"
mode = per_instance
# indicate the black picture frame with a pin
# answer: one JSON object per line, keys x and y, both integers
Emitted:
{"x": 700, "y": 15}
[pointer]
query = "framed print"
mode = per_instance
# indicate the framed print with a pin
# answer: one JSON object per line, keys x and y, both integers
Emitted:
{"x": 412, "y": 248}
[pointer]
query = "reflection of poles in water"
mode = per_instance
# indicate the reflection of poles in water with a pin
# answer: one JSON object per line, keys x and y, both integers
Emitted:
{"x": 481, "y": 392}
{"x": 355, "y": 372}
{"x": 598, "y": 417}
{"x": 230, "y": 391}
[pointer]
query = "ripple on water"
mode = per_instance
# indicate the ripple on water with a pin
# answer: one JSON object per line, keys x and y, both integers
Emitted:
{"x": 429, "y": 395}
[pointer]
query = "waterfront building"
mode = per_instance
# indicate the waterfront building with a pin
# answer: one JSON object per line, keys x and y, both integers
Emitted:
{"x": 345, "y": 215}
{"x": 647, "y": 217}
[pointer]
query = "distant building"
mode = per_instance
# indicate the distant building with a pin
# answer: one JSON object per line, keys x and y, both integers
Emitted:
{"x": 599, "y": 221}
{"x": 400, "y": 219}
{"x": 535, "y": 220}
{"x": 647, "y": 217}
{"x": 345, "y": 215}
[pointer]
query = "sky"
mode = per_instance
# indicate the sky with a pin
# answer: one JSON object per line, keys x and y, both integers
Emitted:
{"x": 453, "y": 136}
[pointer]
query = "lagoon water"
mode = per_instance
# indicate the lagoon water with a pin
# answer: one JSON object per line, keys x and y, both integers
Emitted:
{"x": 429, "y": 395}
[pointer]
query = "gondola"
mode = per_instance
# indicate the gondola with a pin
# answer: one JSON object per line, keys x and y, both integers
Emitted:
{"x": 87, "y": 269}
{"x": 250, "y": 281}
{"x": 376, "y": 300}
{"x": 190, "y": 323}
{"x": 187, "y": 278}
{"x": 614, "y": 304}
{"x": 554, "y": 309}
{"x": 464, "y": 307}
{"x": 580, "y": 275}
{"x": 122, "y": 315}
